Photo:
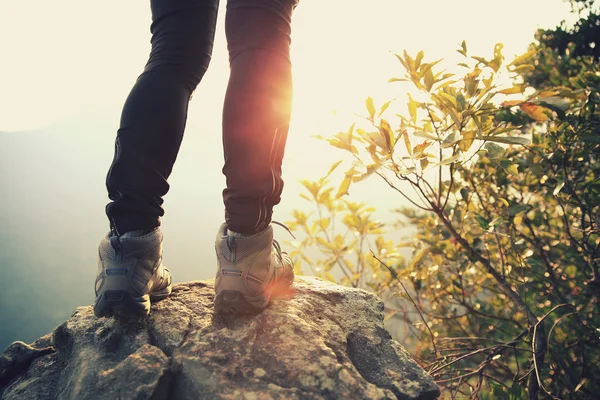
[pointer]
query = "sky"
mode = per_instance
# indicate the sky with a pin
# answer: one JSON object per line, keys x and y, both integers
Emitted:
{"x": 66, "y": 67}
{"x": 61, "y": 57}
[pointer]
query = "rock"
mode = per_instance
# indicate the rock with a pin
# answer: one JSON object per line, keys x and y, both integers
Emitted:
{"x": 327, "y": 342}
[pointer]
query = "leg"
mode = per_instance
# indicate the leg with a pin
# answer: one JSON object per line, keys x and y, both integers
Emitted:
{"x": 155, "y": 112}
{"x": 257, "y": 110}
{"x": 130, "y": 271}
{"x": 252, "y": 269}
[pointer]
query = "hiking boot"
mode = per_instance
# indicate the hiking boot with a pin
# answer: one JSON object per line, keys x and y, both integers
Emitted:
{"x": 251, "y": 269}
{"x": 130, "y": 274}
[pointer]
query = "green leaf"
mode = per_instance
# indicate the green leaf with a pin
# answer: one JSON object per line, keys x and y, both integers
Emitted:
{"x": 463, "y": 49}
{"x": 558, "y": 188}
{"x": 450, "y": 140}
{"x": 449, "y": 160}
{"x": 497, "y": 221}
{"x": 514, "y": 210}
{"x": 507, "y": 139}
{"x": 494, "y": 151}
{"x": 556, "y": 104}
{"x": 483, "y": 223}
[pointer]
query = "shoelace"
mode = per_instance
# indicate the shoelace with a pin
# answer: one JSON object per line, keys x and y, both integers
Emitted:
{"x": 284, "y": 227}
{"x": 276, "y": 243}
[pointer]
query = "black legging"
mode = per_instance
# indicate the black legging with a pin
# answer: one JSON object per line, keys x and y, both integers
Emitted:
{"x": 256, "y": 112}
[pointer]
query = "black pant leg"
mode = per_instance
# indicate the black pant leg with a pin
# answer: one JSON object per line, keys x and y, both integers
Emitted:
{"x": 257, "y": 109}
{"x": 155, "y": 112}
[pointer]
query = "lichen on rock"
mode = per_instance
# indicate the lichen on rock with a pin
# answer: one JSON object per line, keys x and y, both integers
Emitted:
{"x": 326, "y": 342}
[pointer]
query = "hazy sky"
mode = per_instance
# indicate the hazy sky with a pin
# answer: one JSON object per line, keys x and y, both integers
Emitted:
{"x": 59, "y": 57}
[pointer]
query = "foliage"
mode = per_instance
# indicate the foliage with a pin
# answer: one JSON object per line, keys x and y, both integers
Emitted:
{"x": 505, "y": 197}
{"x": 566, "y": 51}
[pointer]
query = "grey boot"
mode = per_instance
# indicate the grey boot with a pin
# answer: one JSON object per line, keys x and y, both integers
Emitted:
{"x": 250, "y": 269}
{"x": 130, "y": 274}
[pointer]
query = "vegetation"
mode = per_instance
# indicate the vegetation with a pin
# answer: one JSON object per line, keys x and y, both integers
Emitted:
{"x": 501, "y": 294}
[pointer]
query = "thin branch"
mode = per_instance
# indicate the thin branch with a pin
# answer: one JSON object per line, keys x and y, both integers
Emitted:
{"x": 395, "y": 275}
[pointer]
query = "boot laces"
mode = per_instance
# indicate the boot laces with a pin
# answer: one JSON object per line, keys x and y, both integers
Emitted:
{"x": 276, "y": 243}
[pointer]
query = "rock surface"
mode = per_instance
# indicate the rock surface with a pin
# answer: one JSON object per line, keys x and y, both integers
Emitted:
{"x": 327, "y": 342}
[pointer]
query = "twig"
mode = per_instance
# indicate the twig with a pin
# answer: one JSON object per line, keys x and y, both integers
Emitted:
{"x": 395, "y": 275}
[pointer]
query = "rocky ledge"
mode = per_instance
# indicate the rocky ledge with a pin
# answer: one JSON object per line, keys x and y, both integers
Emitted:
{"x": 327, "y": 342}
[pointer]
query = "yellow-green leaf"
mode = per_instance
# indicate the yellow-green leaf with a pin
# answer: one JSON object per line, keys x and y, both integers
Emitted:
{"x": 419, "y": 59}
{"x": 370, "y": 107}
{"x": 388, "y": 134}
{"x": 463, "y": 49}
{"x": 522, "y": 58}
{"x": 494, "y": 151}
{"x": 512, "y": 90}
{"x": 407, "y": 142}
{"x": 427, "y": 67}
{"x": 518, "y": 218}
{"x": 345, "y": 185}
{"x": 450, "y": 140}
{"x": 426, "y": 135}
{"x": 429, "y": 80}
{"x": 449, "y": 160}
{"x": 558, "y": 188}
{"x": 412, "y": 108}
{"x": 399, "y": 57}
{"x": 332, "y": 168}
{"x": 329, "y": 277}
{"x": 420, "y": 149}
{"x": 523, "y": 141}
{"x": 511, "y": 103}
{"x": 409, "y": 61}
{"x": 512, "y": 169}
{"x": 467, "y": 140}
{"x": 524, "y": 68}
{"x": 383, "y": 108}
{"x": 451, "y": 99}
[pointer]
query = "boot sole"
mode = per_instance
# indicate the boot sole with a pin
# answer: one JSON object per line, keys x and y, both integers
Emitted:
{"x": 234, "y": 302}
{"x": 120, "y": 303}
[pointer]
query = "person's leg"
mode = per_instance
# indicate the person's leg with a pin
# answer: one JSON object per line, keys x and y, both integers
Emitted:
{"x": 257, "y": 109}
{"x": 130, "y": 271}
{"x": 155, "y": 112}
{"x": 256, "y": 115}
